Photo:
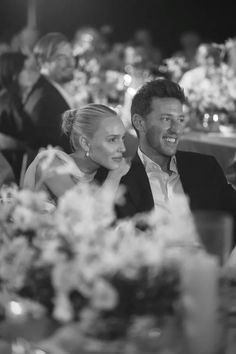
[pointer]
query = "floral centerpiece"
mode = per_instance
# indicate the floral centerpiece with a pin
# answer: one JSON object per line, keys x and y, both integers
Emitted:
{"x": 108, "y": 281}
{"x": 211, "y": 86}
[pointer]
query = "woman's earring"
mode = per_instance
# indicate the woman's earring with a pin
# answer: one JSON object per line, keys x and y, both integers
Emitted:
{"x": 87, "y": 154}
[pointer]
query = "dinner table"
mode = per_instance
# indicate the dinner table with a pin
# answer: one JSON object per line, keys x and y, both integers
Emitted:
{"x": 221, "y": 146}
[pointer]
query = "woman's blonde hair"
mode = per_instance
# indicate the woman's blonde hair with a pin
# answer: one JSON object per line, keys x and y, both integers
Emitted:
{"x": 84, "y": 121}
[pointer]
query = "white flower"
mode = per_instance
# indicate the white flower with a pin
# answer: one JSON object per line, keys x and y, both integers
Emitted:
{"x": 104, "y": 296}
{"x": 62, "y": 309}
{"x": 210, "y": 88}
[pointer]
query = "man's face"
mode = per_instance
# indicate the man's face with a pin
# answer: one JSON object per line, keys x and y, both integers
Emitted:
{"x": 163, "y": 127}
{"x": 62, "y": 64}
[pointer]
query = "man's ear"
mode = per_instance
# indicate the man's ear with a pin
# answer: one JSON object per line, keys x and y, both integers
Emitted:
{"x": 84, "y": 143}
{"x": 138, "y": 122}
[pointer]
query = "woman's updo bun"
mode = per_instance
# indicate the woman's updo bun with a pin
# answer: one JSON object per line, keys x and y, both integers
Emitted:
{"x": 84, "y": 121}
{"x": 68, "y": 119}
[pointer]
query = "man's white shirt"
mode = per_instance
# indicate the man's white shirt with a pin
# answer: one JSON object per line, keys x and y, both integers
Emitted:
{"x": 163, "y": 186}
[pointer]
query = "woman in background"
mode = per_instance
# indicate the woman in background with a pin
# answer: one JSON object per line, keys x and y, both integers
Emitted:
{"x": 11, "y": 66}
{"x": 96, "y": 135}
{"x": 11, "y": 108}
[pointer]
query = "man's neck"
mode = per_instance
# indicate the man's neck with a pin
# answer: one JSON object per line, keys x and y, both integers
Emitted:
{"x": 160, "y": 160}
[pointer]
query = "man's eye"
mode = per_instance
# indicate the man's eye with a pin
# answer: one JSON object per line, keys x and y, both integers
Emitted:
{"x": 181, "y": 120}
{"x": 165, "y": 119}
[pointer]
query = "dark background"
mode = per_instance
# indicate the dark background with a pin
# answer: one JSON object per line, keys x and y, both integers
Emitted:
{"x": 167, "y": 19}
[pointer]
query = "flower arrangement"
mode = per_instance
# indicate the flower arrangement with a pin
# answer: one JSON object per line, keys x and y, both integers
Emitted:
{"x": 79, "y": 266}
{"x": 211, "y": 86}
{"x": 107, "y": 283}
{"x": 93, "y": 84}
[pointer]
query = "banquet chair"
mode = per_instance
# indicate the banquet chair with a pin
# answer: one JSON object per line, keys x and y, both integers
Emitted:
{"x": 231, "y": 172}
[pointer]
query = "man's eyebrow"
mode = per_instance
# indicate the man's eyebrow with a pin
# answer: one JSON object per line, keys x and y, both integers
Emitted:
{"x": 170, "y": 114}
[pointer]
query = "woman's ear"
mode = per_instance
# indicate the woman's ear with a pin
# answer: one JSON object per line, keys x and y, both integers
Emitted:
{"x": 138, "y": 122}
{"x": 84, "y": 143}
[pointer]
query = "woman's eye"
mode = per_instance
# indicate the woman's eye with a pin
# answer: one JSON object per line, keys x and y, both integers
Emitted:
{"x": 181, "y": 120}
{"x": 112, "y": 140}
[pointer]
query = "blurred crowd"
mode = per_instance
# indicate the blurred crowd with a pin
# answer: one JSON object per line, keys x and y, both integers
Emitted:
{"x": 104, "y": 68}
{"x": 89, "y": 68}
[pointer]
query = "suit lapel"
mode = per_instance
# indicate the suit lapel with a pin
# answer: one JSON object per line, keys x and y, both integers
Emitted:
{"x": 191, "y": 181}
{"x": 184, "y": 171}
{"x": 138, "y": 191}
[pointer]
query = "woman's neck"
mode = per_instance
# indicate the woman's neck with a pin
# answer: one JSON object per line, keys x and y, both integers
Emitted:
{"x": 85, "y": 164}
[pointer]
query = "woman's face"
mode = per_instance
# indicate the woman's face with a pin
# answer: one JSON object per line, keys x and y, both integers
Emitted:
{"x": 107, "y": 145}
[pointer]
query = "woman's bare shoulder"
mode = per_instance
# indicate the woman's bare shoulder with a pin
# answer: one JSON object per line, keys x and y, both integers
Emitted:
{"x": 50, "y": 160}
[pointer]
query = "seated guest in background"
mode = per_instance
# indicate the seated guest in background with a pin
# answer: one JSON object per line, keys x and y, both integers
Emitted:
{"x": 158, "y": 171}
{"x": 6, "y": 172}
{"x": 11, "y": 66}
{"x": 143, "y": 42}
{"x": 24, "y": 40}
{"x": 48, "y": 100}
{"x": 96, "y": 135}
{"x": 11, "y": 106}
{"x": 189, "y": 41}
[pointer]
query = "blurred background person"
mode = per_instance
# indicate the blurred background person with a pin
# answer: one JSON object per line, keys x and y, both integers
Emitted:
{"x": 189, "y": 42}
{"x": 48, "y": 99}
{"x": 143, "y": 41}
{"x": 11, "y": 108}
{"x": 25, "y": 40}
{"x": 143, "y": 38}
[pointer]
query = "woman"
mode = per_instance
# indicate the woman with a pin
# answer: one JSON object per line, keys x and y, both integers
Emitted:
{"x": 11, "y": 116}
{"x": 96, "y": 135}
{"x": 11, "y": 66}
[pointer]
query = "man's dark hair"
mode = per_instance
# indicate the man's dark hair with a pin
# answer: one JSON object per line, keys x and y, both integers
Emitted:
{"x": 158, "y": 88}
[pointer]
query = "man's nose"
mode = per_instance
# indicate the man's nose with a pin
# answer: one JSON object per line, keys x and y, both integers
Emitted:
{"x": 175, "y": 126}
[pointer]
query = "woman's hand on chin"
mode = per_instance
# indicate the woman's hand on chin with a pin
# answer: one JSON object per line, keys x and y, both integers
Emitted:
{"x": 122, "y": 169}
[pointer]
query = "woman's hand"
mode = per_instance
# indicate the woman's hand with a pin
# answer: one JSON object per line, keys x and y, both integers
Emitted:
{"x": 121, "y": 170}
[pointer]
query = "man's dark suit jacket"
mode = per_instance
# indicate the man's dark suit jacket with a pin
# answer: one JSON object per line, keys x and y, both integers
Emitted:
{"x": 202, "y": 179}
{"x": 44, "y": 107}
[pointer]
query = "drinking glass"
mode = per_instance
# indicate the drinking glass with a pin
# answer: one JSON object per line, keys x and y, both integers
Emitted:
{"x": 215, "y": 229}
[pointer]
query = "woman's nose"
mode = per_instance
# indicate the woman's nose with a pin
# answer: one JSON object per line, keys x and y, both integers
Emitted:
{"x": 122, "y": 147}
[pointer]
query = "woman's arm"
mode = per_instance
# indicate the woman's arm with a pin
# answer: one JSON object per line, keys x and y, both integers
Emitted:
{"x": 56, "y": 183}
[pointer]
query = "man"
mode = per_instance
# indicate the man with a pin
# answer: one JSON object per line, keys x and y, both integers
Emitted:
{"x": 158, "y": 171}
{"x": 48, "y": 99}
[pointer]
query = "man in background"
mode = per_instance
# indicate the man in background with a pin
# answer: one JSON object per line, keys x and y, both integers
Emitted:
{"x": 47, "y": 99}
